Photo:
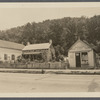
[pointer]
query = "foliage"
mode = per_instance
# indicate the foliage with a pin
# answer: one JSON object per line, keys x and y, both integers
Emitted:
{"x": 63, "y": 32}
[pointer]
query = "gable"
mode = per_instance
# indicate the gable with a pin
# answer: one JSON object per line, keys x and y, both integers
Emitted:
{"x": 80, "y": 46}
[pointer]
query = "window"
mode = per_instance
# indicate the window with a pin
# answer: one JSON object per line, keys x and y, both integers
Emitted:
{"x": 84, "y": 57}
{"x": 13, "y": 57}
{"x": 5, "y": 56}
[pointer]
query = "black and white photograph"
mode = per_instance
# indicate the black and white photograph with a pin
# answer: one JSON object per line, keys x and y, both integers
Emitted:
{"x": 50, "y": 47}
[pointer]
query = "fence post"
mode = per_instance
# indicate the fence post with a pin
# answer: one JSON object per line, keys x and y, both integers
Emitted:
{"x": 26, "y": 65}
{"x": 49, "y": 65}
{"x": 14, "y": 65}
{"x": 31, "y": 65}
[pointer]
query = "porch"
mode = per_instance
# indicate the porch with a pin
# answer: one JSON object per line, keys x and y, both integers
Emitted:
{"x": 33, "y": 57}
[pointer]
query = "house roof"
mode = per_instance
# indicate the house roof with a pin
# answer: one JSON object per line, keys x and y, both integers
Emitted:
{"x": 92, "y": 46}
{"x": 37, "y": 46}
{"x": 11, "y": 45}
{"x": 97, "y": 48}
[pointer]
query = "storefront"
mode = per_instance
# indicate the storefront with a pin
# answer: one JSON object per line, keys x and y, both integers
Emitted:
{"x": 82, "y": 55}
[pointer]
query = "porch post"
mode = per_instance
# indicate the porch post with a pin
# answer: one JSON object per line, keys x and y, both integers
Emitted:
{"x": 33, "y": 57}
{"x": 29, "y": 57}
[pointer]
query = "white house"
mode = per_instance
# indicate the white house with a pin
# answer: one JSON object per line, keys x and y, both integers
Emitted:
{"x": 82, "y": 55}
{"x": 9, "y": 51}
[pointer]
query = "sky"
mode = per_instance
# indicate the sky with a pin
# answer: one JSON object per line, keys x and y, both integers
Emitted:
{"x": 19, "y": 14}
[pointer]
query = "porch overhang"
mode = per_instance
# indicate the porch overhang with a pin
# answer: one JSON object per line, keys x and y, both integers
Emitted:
{"x": 31, "y": 53}
{"x": 74, "y": 51}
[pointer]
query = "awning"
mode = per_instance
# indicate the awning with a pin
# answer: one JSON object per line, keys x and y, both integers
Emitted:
{"x": 31, "y": 53}
{"x": 80, "y": 50}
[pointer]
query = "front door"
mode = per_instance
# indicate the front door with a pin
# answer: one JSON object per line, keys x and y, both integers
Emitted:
{"x": 78, "y": 61}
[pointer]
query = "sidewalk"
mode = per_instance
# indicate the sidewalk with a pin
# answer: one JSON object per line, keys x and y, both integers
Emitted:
{"x": 51, "y": 71}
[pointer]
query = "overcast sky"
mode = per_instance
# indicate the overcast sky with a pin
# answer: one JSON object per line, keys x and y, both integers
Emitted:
{"x": 13, "y": 16}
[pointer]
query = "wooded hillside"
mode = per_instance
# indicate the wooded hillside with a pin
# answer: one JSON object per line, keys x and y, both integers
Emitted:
{"x": 62, "y": 32}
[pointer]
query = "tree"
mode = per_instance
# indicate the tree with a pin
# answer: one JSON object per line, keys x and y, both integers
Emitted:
{"x": 61, "y": 31}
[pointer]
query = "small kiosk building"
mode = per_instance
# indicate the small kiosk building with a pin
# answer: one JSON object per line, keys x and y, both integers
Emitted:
{"x": 82, "y": 55}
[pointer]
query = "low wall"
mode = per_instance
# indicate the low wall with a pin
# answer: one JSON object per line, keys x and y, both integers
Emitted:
{"x": 50, "y": 65}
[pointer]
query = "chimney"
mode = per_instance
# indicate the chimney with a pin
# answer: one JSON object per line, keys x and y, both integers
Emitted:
{"x": 28, "y": 43}
{"x": 50, "y": 41}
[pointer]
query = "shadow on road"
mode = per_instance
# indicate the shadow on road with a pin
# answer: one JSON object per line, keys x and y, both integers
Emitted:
{"x": 93, "y": 85}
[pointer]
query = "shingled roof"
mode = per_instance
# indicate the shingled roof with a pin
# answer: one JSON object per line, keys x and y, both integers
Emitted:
{"x": 37, "y": 46}
{"x": 11, "y": 45}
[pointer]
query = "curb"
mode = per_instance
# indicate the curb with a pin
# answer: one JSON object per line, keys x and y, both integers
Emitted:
{"x": 44, "y": 71}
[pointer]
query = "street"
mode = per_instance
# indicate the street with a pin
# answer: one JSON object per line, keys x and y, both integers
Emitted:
{"x": 31, "y": 83}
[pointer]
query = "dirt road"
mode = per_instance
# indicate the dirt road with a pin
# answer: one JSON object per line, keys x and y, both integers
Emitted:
{"x": 30, "y": 83}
